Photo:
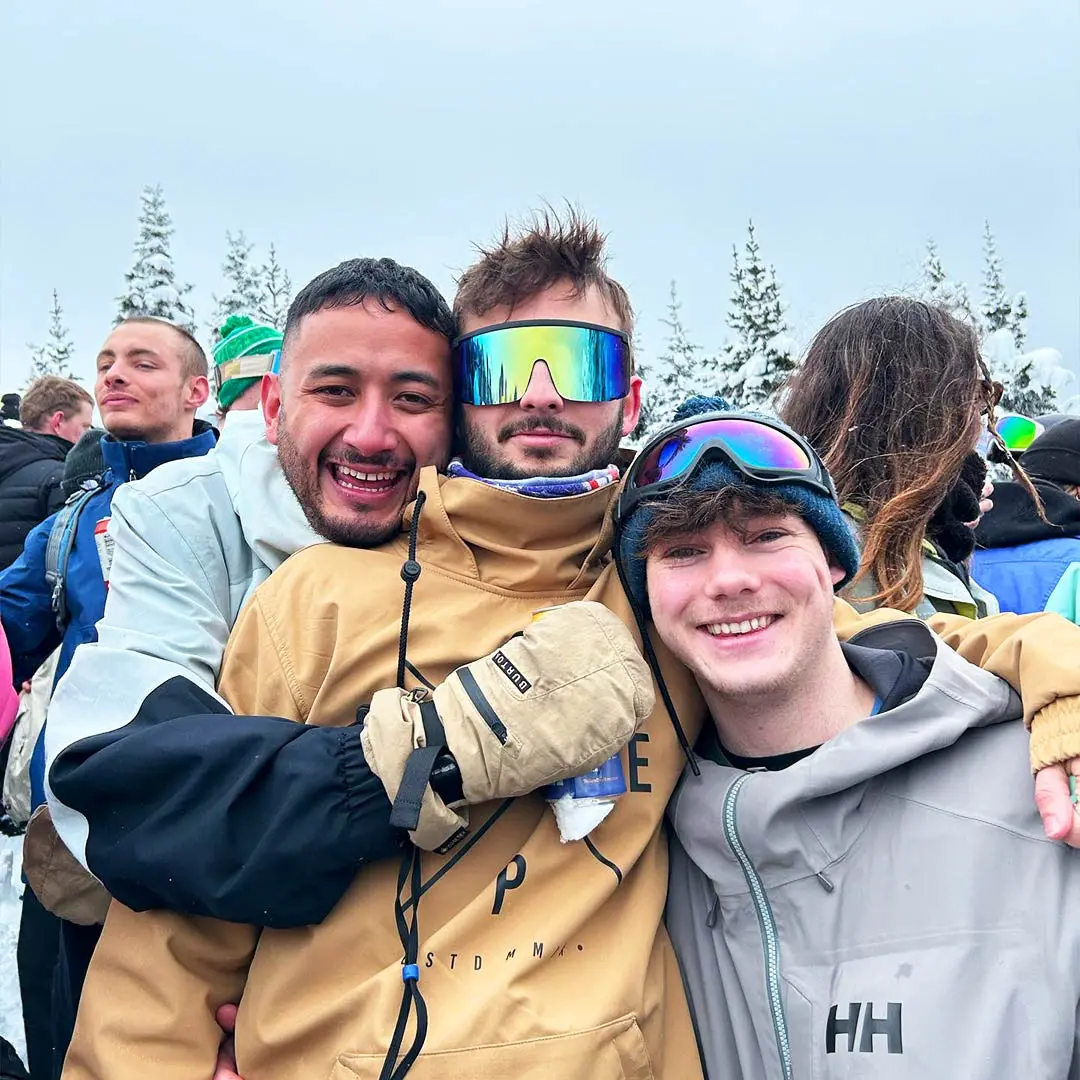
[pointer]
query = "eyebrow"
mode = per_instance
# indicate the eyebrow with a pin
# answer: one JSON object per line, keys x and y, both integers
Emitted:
{"x": 347, "y": 371}
{"x": 131, "y": 352}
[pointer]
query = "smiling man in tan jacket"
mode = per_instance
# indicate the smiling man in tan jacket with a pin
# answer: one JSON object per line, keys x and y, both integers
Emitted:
{"x": 535, "y": 958}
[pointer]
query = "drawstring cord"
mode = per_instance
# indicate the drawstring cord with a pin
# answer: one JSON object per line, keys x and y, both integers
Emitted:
{"x": 409, "y": 873}
{"x": 410, "y": 571}
{"x": 650, "y": 656}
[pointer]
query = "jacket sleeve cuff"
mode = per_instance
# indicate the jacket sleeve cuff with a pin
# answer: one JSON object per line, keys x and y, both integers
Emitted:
{"x": 1055, "y": 733}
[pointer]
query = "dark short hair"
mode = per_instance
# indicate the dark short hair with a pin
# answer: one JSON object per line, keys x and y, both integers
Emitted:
{"x": 688, "y": 511}
{"x": 192, "y": 357}
{"x": 392, "y": 286}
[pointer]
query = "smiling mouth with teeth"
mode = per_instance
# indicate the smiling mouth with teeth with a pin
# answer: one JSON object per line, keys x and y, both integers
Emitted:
{"x": 736, "y": 629}
{"x": 364, "y": 479}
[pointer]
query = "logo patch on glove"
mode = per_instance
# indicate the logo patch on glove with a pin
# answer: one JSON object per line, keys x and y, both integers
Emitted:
{"x": 506, "y": 666}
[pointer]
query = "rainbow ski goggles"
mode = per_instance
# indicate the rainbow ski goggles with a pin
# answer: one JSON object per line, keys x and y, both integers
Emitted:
{"x": 493, "y": 365}
{"x": 762, "y": 450}
{"x": 1017, "y": 432}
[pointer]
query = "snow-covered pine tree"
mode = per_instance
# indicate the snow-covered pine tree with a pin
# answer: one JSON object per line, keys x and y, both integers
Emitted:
{"x": 677, "y": 372}
{"x": 999, "y": 312}
{"x": 276, "y": 292}
{"x": 151, "y": 285}
{"x": 243, "y": 280}
{"x": 936, "y": 288}
{"x": 1018, "y": 322}
{"x": 757, "y": 362}
{"x": 55, "y": 356}
{"x": 1028, "y": 378}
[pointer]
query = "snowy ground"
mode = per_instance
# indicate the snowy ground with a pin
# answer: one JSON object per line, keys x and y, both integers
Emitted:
{"x": 11, "y": 1026}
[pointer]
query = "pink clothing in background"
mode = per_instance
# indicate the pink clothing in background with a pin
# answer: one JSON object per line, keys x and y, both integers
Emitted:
{"x": 9, "y": 699}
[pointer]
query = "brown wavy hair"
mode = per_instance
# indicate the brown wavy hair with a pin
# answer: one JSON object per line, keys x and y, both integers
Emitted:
{"x": 893, "y": 393}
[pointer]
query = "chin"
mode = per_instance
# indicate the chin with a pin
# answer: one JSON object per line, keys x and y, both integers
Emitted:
{"x": 360, "y": 532}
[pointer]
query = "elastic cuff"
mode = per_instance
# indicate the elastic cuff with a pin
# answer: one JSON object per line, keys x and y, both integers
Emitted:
{"x": 1055, "y": 733}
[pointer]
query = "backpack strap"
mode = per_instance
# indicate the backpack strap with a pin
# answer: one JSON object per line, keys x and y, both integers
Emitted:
{"x": 58, "y": 552}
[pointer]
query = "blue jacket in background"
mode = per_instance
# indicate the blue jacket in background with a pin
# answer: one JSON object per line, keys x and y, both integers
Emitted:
{"x": 1029, "y": 564}
{"x": 26, "y": 596}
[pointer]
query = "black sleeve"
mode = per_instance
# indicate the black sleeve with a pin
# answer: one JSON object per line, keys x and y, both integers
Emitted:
{"x": 53, "y": 495}
{"x": 251, "y": 819}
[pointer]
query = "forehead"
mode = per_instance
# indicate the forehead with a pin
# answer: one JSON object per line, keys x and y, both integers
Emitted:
{"x": 142, "y": 337}
{"x": 555, "y": 302}
{"x": 367, "y": 338}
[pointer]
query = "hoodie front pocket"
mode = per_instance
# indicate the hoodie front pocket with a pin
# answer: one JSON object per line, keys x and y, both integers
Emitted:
{"x": 613, "y": 1051}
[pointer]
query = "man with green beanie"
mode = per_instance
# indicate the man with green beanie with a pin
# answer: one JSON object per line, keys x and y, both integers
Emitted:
{"x": 244, "y": 354}
{"x": 836, "y": 865}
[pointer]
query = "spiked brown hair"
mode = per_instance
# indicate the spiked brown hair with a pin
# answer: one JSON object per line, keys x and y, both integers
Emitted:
{"x": 545, "y": 250}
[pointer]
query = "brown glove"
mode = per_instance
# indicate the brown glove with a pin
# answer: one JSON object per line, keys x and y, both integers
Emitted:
{"x": 60, "y": 882}
{"x": 553, "y": 702}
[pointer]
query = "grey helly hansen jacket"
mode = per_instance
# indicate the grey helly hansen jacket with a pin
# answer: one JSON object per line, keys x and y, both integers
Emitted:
{"x": 888, "y": 906}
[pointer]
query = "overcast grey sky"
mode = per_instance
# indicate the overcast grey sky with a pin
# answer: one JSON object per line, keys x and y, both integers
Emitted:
{"x": 850, "y": 132}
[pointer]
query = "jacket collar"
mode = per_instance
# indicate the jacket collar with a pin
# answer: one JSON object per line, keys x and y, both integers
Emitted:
{"x": 510, "y": 541}
{"x": 799, "y": 821}
{"x": 133, "y": 459}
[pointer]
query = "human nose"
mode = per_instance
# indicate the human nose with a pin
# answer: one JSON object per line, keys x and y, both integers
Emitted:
{"x": 730, "y": 573}
{"x": 114, "y": 374}
{"x": 371, "y": 430}
{"x": 541, "y": 392}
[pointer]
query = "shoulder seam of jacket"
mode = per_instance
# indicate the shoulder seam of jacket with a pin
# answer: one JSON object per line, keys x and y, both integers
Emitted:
{"x": 282, "y": 656}
{"x": 135, "y": 493}
{"x": 961, "y": 816}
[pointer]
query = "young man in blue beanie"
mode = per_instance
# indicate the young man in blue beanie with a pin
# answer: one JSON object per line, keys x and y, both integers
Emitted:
{"x": 835, "y": 886}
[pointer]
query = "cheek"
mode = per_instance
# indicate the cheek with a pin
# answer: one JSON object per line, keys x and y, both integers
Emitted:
{"x": 428, "y": 437}
{"x": 484, "y": 421}
{"x": 669, "y": 596}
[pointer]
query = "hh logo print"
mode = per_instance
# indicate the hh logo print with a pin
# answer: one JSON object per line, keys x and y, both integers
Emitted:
{"x": 888, "y": 1027}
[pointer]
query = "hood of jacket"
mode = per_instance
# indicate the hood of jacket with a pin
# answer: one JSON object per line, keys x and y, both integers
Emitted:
{"x": 1013, "y": 519}
{"x": 273, "y": 522}
{"x": 19, "y": 448}
{"x": 797, "y": 822}
{"x": 512, "y": 541}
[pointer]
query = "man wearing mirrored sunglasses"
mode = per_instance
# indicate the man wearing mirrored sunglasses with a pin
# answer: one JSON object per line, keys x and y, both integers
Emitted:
{"x": 522, "y": 953}
{"x": 837, "y": 898}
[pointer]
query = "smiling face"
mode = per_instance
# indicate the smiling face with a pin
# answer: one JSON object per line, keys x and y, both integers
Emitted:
{"x": 543, "y": 434}
{"x": 362, "y": 404}
{"x": 748, "y": 609}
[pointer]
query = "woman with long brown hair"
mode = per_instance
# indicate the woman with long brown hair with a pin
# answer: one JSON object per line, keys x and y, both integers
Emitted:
{"x": 893, "y": 394}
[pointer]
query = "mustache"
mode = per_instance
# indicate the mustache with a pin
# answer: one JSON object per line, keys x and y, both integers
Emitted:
{"x": 541, "y": 423}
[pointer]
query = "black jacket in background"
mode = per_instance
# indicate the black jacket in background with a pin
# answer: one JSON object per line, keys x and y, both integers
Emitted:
{"x": 31, "y": 468}
{"x": 1014, "y": 521}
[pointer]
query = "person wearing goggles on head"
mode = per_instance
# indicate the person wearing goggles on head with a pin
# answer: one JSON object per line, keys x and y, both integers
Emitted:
{"x": 835, "y": 886}
{"x": 1031, "y": 560}
{"x": 523, "y": 955}
{"x": 245, "y": 352}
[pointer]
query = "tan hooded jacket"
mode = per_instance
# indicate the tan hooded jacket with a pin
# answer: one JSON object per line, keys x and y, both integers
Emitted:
{"x": 538, "y": 959}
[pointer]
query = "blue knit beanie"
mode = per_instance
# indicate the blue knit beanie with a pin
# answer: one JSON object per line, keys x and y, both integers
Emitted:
{"x": 822, "y": 514}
